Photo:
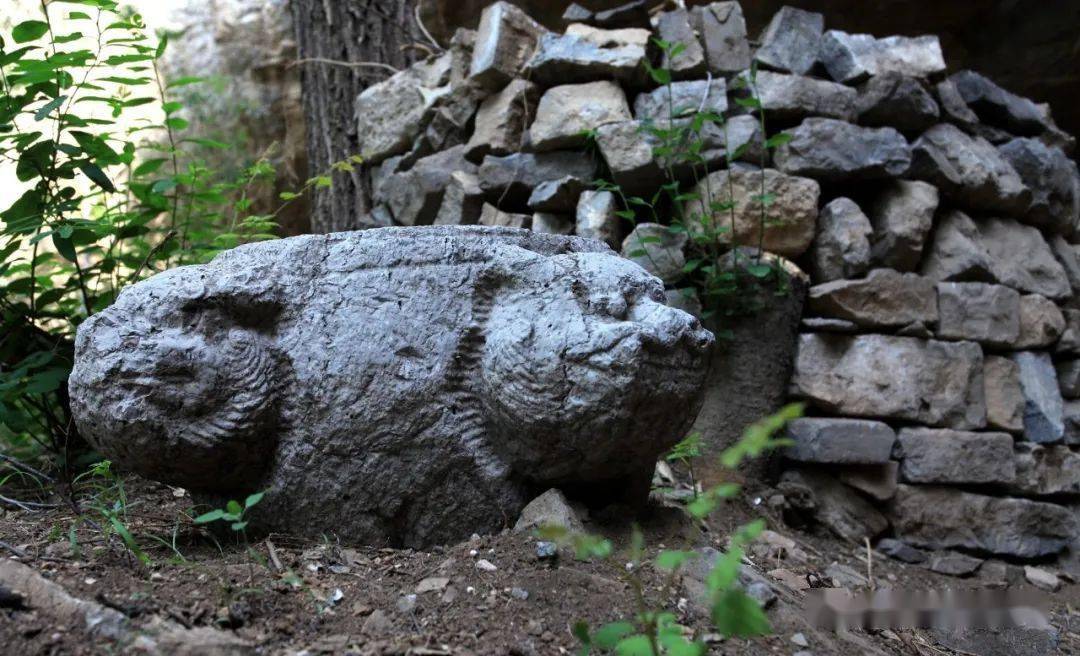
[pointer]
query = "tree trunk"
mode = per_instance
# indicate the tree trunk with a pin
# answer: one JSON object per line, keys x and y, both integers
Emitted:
{"x": 351, "y": 31}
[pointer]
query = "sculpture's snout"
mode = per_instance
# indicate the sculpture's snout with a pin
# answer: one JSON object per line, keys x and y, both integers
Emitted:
{"x": 666, "y": 327}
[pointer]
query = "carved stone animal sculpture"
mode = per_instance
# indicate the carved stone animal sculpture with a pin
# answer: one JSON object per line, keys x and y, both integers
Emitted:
{"x": 401, "y": 386}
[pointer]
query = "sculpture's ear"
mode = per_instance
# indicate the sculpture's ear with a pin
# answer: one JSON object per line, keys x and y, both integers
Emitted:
{"x": 256, "y": 309}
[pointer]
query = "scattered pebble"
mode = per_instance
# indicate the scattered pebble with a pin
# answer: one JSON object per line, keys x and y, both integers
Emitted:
{"x": 1042, "y": 579}
{"x": 432, "y": 584}
{"x": 485, "y": 565}
{"x": 519, "y": 593}
{"x": 546, "y": 550}
{"x": 799, "y": 640}
{"x": 406, "y": 603}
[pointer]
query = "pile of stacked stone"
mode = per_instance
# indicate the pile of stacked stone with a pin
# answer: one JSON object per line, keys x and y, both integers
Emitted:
{"x": 935, "y": 213}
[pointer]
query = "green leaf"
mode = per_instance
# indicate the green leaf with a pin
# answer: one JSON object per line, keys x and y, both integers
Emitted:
{"x": 778, "y": 139}
{"x": 634, "y": 646}
{"x": 162, "y": 45}
{"x": 737, "y": 615}
{"x": 672, "y": 560}
{"x": 64, "y": 247}
{"x": 149, "y": 167}
{"x": 29, "y": 31}
{"x": 211, "y": 516}
{"x": 609, "y": 635}
{"x": 238, "y": 526}
{"x": 94, "y": 172}
{"x": 253, "y": 499}
{"x": 233, "y": 508}
{"x": 49, "y": 107}
{"x": 184, "y": 81}
{"x": 759, "y": 270}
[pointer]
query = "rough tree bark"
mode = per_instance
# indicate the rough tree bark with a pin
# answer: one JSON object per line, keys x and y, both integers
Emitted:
{"x": 382, "y": 31}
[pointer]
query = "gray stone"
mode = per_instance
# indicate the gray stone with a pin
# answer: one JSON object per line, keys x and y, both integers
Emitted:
{"x": 630, "y": 14}
{"x": 596, "y": 218}
{"x": 628, "y": 151}
{"x": 1068, "y": 256}
{"x": 549, "y": 509}
{"x": 902, "y": 215}
{"x": 841, "y": 247}
{"x": 898, "y": 101}
{"x": 935, "y": 383}
{"x": 402, "y": 358}
{"x": 839, "y": 441}
{"x": 674, "y": 27}
{"x": 1046, "y": 470}
{"x": 1043, "y": 405}
{"x": 1069, "y": 343}
{"x": 743, "y": 132}
{"x": 1072, "y": 422}
{"x": 505, "y": 40}
{"x": 942, "y": 518}
{"x": 953, "y": 107}
{"x": 1041, "y": 322}
{"x": 1042, "y": 579}
{"x": 493, "y": 216}
{"x": 969, "y": 171}
{"x": 447, "y": 121}
{"x": 415, "y": 196}
{"x": 787, "y": 97}
{"x": 512, "y": 179}
{"x": 929, "y": 455}
{"x": 996, "y": 106}
{"x": 877, "y": 481}
{"x": 979, "y": 312}
{"x": 1034, "y": 637}
{"x": 838, "y": 508}
{"x": 854, "y": 57}
{"x": 1053, "y": 180}
{"x": 1068, "y": 373}
{"x": 884, "y": 299}
{"x": 956, "y": 251}
{"x": 553, "y": 224}
{"x": 1037, "y": 272}
{"x": 657, "y": 249}
{"x": 835, "y": 151}
{"x": 462, "y": 201}
{"x": 680, "y": 99}
{"x": 586, "y": 54}
{"x": 789, "y": 221}
{"x": 568, "y": 111}
{"x": 722, "y": 30}
{"x": 575, "y": 13}
{"x": 815, "y": 324}
{"x": 557, "y": 195}
{"x": 901, "y": 551}
{"x": 791, "y": 41}
{"x": 953, "y": 563}
{"x": 696, "y": 574}
{"x": 1004, "y": 398}
{"x": 501, "y": 120}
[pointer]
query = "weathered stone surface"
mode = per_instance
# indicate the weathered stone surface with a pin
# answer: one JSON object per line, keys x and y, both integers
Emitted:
{"x": 553, "y": 224}
{"x": 629, "y": 14}
{"x": 897, "y": 101}
{"x": 789, "y": 220}
{"x": 953, "y": 563}
{"x": 557, "y": 195}
{"x": 722, "y": 30}
{"x": 549, "y": 509}
{"x": 493, "y": 216}
{"x": 996, "y": 106}
{"x": 462, "y": 201}
{"x": 839, "y": 441}
{"x": 1037, "y": 272}
{"x": 446, "y": 122}
{"x": 1068, "y": 373}
{"x": 787, "y": 97}
{"x": 929, "y": 455}
{"x": 674, "y": 27}
{"x": 835, "y": 151}
{"x": 841, "y": 247}
{"x": 685, "y": 299}
{"x": 505, "y": 40}
{"x": 1041, "y": 322}
{"x": 837, "y": 507}
{"x": 501, "y": 120}
{"x": 956, "y": 251}
{"x": 575, "y": 13}
{"x": 682, "y": 99}
{"x": 877, "y": 481}
{"x": 1004, "y": 398}
{"x": 1053, "y": 180}
{"x": 969, "y": 171}
{"x": 935, "y": 383}
{"x": 854, "y": 57}
{"x": 953, "y": 107}
{"x": 628, "y": 152}
{"x": 227, "y": 377}
{"x": 656, "y": 249}
{"x": 979, "y": 312}
{"x": 901, "y": 551}
{"x": 884, "y": 299}
{"x": 1043, "y": 406}
{"x": 942, "y": 518}
{"x": 1068, "y": 256}
{"x": 1046, "y": 470}
{"x": 791, "y": 41}
{"x": 743, "y": 132}
{"x": 902, "y": 216}
{"x": 415, "y": 196}
{"x": 1069, "y": 342}
{"x": 815, "y": 324}
{"x": 1072, "y": 422}
{"x": 513, "y": 178}
{"x": 1033, "y": 636}
{"x": 566, "y": 112}
{"x": 596, "y": 218}
{"x": 585, "y": 54}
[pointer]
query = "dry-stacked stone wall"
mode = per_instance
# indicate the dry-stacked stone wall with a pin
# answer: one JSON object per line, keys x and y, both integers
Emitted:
{"x": 935, "y": 213}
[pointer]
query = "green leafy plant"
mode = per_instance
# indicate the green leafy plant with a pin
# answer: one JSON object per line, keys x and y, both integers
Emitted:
{"x": 685, "y": 453}
{"x": 233, "y": 513}
{"x": 108, "y": 499}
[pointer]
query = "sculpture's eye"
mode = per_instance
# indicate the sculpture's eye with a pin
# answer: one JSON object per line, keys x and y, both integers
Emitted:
{"x": 613, "y": 305}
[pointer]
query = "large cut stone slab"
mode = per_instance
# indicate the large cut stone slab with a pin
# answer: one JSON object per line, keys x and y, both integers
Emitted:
{"x": 501, "y": 120}
{"x": 657, "y": 249}
{"x": 722, "y": 30}
{"x": 675, "y": 27}
{"x": 416, "y": 195}
{"x": 567, "y": 112}
{"x": 835, "y": 151}
{"x": 979, "y": 312}
{"x": 836, "y": 506}
{"x": 1004, "y": 398}
{"x": 1046, "y": 470}
{"x": 898, "y": 101}
{"x": 997, "y": 107}
{"x": 902, "y": 215}
{"x": 462, "y": 201}
{"x": 1068, "y": 344}
{"x": 1043, "y": 406}
{"x": 391, "y": 385}
{"x": 942, "y": 518}
{"x": 1068, "y": 373}
{"x": 795, "y": 97}
{"x": 956, "y": 251}
{"x": 884, "y": 299}
{"x": 681, "y": 100}
{"x": 596, "y": 217}
{"x": 505, "y": 40}
{"x": 1053, "y": 180}
{"x": 854, "y": 57}
{"x": 969, "y": 171}
{"x": 587, "y": 54}
{"x": 1037, "y": 272}
{"x": 1041, "y": 322}
{"x": 628, "y": 151}
{"x": 1068, "y": 256}
{"x": 940, "y": 455}
{"x": 931, "y": 382}
{"x": 841, "y": 248}
{"x": 791, "y": 41}
{"x": 840, "y": 441}
{"x": 512, "y": 179}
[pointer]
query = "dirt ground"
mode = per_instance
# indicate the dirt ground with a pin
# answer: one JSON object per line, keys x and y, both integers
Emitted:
{"x": 283, "y": 595}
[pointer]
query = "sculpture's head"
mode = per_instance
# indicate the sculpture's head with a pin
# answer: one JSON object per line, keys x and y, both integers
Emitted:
{"x": 177, "y": 383}
{"x": 587, "y": 373}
